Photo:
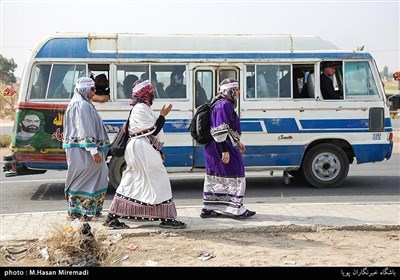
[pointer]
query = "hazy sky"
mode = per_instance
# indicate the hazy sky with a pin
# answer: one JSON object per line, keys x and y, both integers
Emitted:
{"x": 347, "y": 24}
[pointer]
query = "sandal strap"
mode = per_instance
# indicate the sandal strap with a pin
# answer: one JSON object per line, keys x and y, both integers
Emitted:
{"x": 115, "y": 224}
{"x": 172, "y": 224}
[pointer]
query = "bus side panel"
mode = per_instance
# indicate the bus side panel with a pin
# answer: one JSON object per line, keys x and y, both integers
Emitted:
{"x": 38, "y": 135}
{"x": 269, "y": 156}
{"x": 372, "y": 152}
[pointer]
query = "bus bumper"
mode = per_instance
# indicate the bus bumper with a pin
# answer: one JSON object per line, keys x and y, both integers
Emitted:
{"x": 12, "y": 168}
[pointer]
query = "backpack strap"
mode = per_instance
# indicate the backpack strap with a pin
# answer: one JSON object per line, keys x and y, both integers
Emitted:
{"x": 127, "y": 122}
{"x": 215, "y": 101}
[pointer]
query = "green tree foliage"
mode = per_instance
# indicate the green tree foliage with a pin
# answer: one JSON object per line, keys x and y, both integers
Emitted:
{"x": 7, "y": 68}
{"x": 7, "y": 79}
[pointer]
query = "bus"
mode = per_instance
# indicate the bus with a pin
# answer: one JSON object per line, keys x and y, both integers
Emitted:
{"x": 287, "y": 124}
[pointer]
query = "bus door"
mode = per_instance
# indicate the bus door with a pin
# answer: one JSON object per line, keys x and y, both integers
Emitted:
{"x": 205, "y": 87}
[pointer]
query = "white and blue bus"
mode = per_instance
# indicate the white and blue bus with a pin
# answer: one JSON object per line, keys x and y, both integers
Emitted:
{"x": 287, "y": 125}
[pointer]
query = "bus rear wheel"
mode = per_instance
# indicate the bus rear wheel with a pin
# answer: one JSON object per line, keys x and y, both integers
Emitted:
{"x": 116, "y": 167}
{"x": 325, "y": 166}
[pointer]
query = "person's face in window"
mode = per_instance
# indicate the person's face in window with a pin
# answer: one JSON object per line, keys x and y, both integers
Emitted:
{"x": 102, "y": 86}
{"x": 178, "y": 79}
{"x": 31, "y": 124}
{"x": 330, "y": 71}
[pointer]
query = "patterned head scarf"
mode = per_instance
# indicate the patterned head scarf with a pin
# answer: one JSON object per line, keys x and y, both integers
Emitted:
{"x": 83, "y": 86}
{"x": 142, "y": 92}
{"x": 226, "y": 88}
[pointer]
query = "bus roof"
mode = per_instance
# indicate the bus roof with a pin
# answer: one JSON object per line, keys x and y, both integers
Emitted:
{"x": 127, "y": 45}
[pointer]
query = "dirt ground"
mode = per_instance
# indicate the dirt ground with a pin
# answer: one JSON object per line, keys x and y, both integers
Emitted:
{"x": 242, "y": 248}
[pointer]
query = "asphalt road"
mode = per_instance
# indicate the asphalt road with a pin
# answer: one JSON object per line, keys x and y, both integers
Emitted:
{"x": 372, "y": 182}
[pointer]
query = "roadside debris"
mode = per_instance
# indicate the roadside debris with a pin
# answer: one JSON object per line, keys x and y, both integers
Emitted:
{"x": 205, "y": 256}
{"x": 13, "y": 254}
{"x": 151, "y": 263}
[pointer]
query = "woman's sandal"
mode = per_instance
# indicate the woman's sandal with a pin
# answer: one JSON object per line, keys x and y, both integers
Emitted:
{"x": 246, "y": 214}
{"x": 115, "y": 224}
{"x": 83, "y": 218}
{"x": 174, "y": 224}
{"x": 205, "y": 213}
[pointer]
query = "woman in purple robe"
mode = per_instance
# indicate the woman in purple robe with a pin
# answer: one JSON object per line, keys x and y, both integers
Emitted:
{"x": 225, "y": 181}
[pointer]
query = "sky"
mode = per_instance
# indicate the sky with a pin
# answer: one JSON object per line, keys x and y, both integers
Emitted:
{"x": 347, "y": 24}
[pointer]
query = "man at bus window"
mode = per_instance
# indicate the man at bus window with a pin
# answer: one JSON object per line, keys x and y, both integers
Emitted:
{"x": 31, "y": 133}
{"x": 102, "y": 89}
{"x": 176, "y": 88}
{"x": 158, "y": 87}
{"x": 327, "y": 89}
{"x": 201, "y": 96}
{"x": 127, "y": 85}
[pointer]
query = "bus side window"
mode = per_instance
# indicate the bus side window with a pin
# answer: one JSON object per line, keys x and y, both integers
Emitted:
{"x": 62, "y": 80}
{"x": 251, "y": 91}
{"x": 40, "y": 81}
{"x": 203, "y": 87}
{"x": 262, "y": 87}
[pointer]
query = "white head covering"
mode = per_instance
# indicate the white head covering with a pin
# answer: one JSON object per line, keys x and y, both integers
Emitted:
{"x": 82, "y": 87}
{"x": 140, "y": 85}
{"x": 229, "y": 86}
{"x": 84, "y": 82}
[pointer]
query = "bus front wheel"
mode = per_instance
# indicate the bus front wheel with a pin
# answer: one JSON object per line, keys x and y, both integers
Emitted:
{"x": 116, "y": 167}
{"x": 325, "y": 166}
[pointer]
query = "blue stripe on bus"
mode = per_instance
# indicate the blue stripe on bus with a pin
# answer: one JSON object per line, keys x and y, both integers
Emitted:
{"x": 279, "y": 156}
{"x": 46, "y": 165}
{"x": 334, "y": 124}
{"x": 273, "y": 125}
{"x": 279, "y": 125}
{"x": 78, "y": 48}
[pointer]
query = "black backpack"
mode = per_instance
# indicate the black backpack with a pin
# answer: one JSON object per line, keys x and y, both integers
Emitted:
{"x": 118, "y": 146}
{"x": 200, "y": 124}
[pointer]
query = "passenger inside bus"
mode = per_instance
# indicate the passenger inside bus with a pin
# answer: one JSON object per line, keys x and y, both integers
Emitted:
{"x": 327, "y": 89}
{"x": 102, "y": 89}
{"x": 128, "y": 83}
{"x": 158, "y": 87}
{"x": 176, "y": 89}
{"x": 298, "y": 84}
{"x": 201, "y": 96}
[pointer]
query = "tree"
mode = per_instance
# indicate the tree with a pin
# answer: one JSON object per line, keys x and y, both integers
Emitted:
{"x": 385, "y": 72}
{"x": 7, "y": 68}
{"x": 7, "y": 78}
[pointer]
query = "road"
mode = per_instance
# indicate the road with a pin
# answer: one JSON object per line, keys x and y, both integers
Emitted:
{"x": 372, "y": 182}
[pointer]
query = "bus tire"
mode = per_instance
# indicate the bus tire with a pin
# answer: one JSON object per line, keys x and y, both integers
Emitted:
{"x": 325, "y": 166}
{"x": 116, "y": 167}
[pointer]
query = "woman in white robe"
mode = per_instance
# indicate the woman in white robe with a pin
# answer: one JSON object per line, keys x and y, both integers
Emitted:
{"x": 145, "y": 190}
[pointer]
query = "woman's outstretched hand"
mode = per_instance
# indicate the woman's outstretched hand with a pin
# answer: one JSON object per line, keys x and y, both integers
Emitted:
{"x": 165, "y": 110}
